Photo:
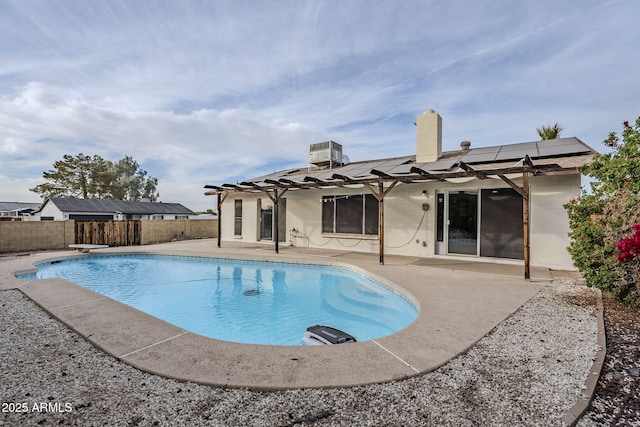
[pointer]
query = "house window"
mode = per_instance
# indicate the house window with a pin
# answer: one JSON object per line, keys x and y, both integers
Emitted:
{"x": 157, "y": 217}
{"x": 237, "y": 230}
{"x": 353, "y": 214}
{"x": 182, "y": 216}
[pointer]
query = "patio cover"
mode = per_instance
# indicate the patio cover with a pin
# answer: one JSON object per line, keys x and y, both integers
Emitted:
{"x": 550, "y": 157}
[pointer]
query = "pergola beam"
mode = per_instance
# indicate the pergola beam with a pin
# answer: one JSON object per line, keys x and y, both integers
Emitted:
{"x": 425, "y": 174}
{"x": 515, "y": 186}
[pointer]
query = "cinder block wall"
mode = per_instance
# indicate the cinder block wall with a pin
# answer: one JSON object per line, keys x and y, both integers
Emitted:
{"x": 22, "y": 236}
{"x": 157, "y": 231}
{"x": 202, "y": 228}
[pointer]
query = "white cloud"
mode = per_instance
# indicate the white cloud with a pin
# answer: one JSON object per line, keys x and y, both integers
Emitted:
{"x": 203, "y": 93}
{"x": 45, "y": 123}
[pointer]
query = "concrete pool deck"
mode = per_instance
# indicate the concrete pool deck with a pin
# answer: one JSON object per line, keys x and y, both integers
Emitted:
{"x": 457, "y": 308}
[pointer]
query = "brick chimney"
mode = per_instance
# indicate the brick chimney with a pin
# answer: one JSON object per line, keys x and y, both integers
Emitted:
{"x": 428, "y": 137}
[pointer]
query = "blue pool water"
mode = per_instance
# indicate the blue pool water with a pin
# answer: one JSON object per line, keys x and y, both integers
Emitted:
{"x": 242, "y": 301}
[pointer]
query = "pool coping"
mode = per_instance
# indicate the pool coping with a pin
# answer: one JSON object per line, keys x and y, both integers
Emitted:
{"x": 456, "y": 309}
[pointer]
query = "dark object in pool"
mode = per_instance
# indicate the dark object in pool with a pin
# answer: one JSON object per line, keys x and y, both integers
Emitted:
{"x": 251, "y": 292}
{"x": 321, "y": 335}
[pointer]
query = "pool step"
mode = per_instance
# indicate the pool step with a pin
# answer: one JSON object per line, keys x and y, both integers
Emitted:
{"x": 370, "y": 298}
{"x": 334, "y": 299}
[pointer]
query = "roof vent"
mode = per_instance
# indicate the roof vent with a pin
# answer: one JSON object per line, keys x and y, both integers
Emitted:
{"x": 325, "y": 153}
{"x": 465, "y": 145}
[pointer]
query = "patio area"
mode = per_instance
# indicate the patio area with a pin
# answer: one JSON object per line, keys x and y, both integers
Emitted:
{"x": 457, "y": 309}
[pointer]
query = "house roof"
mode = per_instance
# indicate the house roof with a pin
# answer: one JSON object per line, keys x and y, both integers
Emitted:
{"x": 561, "y": 155}
{"x": 17, "y": 206}
{"x": 118, "y": 206}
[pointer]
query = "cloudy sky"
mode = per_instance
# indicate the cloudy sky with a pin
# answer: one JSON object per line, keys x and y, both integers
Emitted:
{"x": 209, "y": 92}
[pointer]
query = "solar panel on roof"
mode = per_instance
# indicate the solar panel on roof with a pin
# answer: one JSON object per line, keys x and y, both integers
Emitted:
{"x": 532, "y": 146}
{"x": 518, "y": 151}
{"x": 564, "y": 146}
{"x": 439, "y": 165}
{"x": 396, "y": 169}
{"x": 534, "y": 149}
{"x": 479, "y": 155}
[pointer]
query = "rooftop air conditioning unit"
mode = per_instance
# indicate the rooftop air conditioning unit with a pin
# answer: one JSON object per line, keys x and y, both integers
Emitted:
{"x": 325, "y": 153}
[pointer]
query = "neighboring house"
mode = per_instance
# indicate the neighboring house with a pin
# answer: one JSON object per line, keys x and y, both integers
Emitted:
{"x": 58, "y": 208}
{"x": 500, "y": 202}
{"x": 17, "y": 209}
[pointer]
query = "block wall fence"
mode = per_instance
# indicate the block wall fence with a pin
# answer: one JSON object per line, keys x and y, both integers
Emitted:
{"x": 25, "y": 236}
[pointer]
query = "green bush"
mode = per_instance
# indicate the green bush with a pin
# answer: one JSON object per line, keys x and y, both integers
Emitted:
{"x": 601, "y": 219}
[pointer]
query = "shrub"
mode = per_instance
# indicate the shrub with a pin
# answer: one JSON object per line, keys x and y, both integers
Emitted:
{"x": 622, "y": 232}
{"x": 604, "y": 219}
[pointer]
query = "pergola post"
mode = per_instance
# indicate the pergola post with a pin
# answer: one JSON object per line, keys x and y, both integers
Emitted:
{"x": 379, "y": 195}
{"x": 524, "y": 192}
{"x": 381, "y": 224}
{"x": 275, "y": 198}
{"x": 525, "y": 224}
{"x": 276, "y": 229}
{"x": 221, "y": 199}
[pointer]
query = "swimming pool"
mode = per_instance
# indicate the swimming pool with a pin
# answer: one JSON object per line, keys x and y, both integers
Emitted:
{"x": 242, "y": 301}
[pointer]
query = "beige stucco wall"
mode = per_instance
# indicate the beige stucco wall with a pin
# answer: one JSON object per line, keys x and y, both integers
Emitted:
{"x": 408, "y": 229}
{"x": 549, "y": 220}
{"x": 35, "y": 235}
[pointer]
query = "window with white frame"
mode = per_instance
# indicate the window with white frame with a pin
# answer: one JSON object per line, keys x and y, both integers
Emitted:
{"x": 350, "y": 214}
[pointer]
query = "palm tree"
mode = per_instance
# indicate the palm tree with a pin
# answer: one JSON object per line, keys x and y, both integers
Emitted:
{"x": 550, "y": 132}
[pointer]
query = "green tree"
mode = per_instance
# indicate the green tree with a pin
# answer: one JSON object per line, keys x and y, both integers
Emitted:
{"x": 133, "y": 183}
{"x": 88, "y": 177}
{"x": 603, "y": 217}
{"x": 621, "y": 167}
{"x": 549, "y": 132}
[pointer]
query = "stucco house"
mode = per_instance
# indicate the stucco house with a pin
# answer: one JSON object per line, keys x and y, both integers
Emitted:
{"x": 58, "y": 209}
{"x": 503, "y": 202}
{"x": 12, "y": 210}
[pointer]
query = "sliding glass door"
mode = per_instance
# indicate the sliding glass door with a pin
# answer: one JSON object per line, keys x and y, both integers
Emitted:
{"x": 463, "y": 223}
{"x": 486, "y": 223}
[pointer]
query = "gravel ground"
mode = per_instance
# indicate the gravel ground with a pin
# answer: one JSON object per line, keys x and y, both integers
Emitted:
{"x": 617, "y": 398}
{"x": 529, "y": 371}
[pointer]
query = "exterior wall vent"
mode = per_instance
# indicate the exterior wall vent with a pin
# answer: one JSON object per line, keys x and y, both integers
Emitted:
{"x": 325, "y": 153}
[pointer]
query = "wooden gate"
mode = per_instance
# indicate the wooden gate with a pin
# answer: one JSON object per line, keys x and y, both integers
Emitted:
{"x": 112, "y": 233}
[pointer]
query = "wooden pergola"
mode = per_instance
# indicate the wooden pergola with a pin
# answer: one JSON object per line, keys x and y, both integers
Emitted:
{"x": 380, "y": 183}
